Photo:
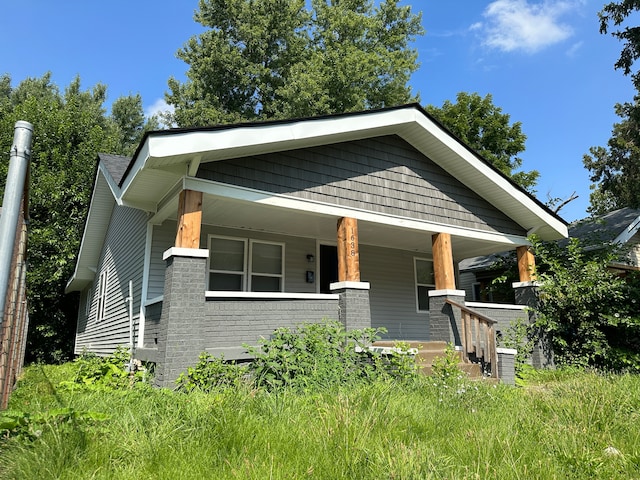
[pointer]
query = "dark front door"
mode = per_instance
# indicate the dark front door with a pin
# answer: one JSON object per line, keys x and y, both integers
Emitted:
{"x": 328, "y": 267}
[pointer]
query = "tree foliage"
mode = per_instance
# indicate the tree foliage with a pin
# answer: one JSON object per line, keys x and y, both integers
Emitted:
{"x": 615, "y": 14}
{"x": 270, "y": 59}
{"x": 588, "y": 312}
{"x": 615, "y": 169}
{"x": 70, "y": 128}
{"x": 482, "y": 125}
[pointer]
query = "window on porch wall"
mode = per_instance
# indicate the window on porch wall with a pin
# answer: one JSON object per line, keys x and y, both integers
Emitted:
{"x": 425, "y": 281}
{"x": 238, "y": 264}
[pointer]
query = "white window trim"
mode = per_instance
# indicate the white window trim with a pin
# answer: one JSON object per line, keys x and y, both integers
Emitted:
{"x": 87, "y": 299}
{"x": 415, "y": 281}
{"x": 250, "y": 272}
{"x": 232, "y": 272}
{"x": 102, "y": 296}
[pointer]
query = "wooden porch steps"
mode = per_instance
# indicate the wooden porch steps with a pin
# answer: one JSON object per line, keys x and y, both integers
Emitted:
{"x": 429, "y": 351}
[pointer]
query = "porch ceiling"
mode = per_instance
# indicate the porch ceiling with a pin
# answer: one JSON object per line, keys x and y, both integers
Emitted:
{"x": 251, "y": 216}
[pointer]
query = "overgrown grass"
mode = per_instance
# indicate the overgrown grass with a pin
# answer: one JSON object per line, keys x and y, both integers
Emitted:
{"x": 560, "y": 425}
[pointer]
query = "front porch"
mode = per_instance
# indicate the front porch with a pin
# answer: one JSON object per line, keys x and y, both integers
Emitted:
{"x": 189, "y": 317}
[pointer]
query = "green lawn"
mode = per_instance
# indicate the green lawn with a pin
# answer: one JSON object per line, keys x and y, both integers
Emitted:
{"x": 577, "y": 425}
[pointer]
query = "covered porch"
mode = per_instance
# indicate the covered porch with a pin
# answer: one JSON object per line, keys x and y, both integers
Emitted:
{"x": 191, "y": 316}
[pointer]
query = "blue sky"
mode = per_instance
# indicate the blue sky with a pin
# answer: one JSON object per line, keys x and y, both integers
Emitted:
{"x": 544, "y": 62}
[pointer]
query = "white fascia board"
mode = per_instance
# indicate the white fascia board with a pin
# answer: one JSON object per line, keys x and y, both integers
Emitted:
{"x": 478, "y": 167}
{"x": 280, "y": 136}
{"x": 628, "y": 232}
{"x": 113, "y": 186}
{"x": 283, "y": 201}
{"x": 140, "y": 161}
{"x": 205, "y": 146}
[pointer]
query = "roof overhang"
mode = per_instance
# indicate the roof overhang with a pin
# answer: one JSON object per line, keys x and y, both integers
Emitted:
{"x": 103, "y": 199}
{"x": 167, "y": 156}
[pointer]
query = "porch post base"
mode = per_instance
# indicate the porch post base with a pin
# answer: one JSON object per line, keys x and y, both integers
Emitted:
{"x": 445, "y": 322}
{"x": 354, "y": 306}
{"x": 183, "y": 314}
{"x": 507, "y": 365}
{"x": 526, "y": 293}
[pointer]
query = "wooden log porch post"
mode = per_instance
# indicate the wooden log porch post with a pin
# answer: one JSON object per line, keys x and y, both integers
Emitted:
{"x": 353, "y": 305}
{"x": 189, "y": 219}
{"x": 526, "y": 264}
{"x": 348, "y": 250}
{"x": 443, "y": 270}
{"x": 445, "y": 323}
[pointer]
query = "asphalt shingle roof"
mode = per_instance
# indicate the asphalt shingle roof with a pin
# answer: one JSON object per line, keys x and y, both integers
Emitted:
{"x": 116, "y": 165}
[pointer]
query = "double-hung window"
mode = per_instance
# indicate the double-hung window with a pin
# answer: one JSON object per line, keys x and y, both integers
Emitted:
{"x": 266, "y": 267}
{"x": 227, "y": 264}
{"x": 238, "y": 264}
{"x": 425, "y": 281}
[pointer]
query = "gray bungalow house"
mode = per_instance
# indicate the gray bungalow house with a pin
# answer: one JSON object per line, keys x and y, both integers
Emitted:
{"x": 210, "y": 238}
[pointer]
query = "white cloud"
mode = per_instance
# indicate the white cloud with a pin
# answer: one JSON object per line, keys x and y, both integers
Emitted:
{"x": 159, "y": 106}
{"x": 513, "y": 25}
{"x": 573, "y": 50}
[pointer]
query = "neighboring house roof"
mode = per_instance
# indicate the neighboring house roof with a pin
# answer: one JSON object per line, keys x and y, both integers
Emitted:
{"x": 618, "y": 226}
{"x": 167, "y": 161}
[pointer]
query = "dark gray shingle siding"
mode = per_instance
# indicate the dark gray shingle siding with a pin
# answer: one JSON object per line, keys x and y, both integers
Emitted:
{"x": 383, "y": 175}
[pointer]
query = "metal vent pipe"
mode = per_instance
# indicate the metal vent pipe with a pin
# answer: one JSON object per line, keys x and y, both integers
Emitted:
{"x": 13, "y": 192}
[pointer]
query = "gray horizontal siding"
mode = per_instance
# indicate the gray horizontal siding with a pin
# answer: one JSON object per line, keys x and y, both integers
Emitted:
{"x": 390, "y": 272}
{"x": 393, "y": 292}
{"x": 163, "y": 238}
{"x": 384, "y": 175}
{"x": 504, "y": 316}
{"x": 123, "y": 258}
{"x": 296, "y": 250}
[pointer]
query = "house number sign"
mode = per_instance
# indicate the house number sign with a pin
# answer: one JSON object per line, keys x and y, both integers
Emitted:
{"x": 352, "y": 243}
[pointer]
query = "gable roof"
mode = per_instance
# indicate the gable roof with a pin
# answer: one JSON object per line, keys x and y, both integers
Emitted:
{"x": 164, "y": 156}
{"x": 116, "y": 165}
{"x": 165, "y": 159}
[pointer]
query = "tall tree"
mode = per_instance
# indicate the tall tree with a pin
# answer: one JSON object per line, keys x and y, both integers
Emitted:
{"x": 270, "y": 59}
{"x": 128, "y": 115}
{"x": 483, "y": 126}
{"x": 70, "y": 128}
{"x": 615, "y": 169}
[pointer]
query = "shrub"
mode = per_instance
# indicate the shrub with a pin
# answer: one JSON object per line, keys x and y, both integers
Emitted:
{"x": 587, "y": 312}
{"x": 520, "y": 336}
{"x": 111, "y": 372}
{"x": 212, "y": 373}
{"x": 312, "y": 356}
{"x": 315, "y": 355}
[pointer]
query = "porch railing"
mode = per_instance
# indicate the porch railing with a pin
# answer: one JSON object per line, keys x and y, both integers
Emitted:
{"x": 478, "y": 336}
